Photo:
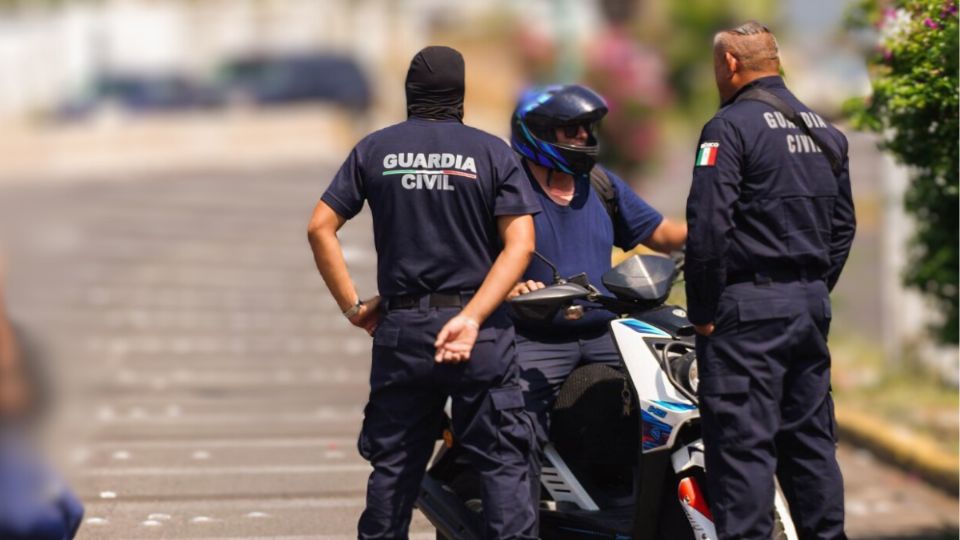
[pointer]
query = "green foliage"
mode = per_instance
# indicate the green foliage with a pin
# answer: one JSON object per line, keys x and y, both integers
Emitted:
{"x": 689, "y": 45}
{"x": 914, "y": 105}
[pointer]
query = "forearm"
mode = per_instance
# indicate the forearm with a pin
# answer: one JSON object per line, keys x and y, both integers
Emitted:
{"x": 328, "y": 256}
{"x": 667, "y": 237}
{"x": 503, "y": 276}
{"x": 843, "y": 227}
{"x": 839, "y": 250}
{"x": 518, "y": 235}
{"x": 333, "y": 268}
{"x": 705, "y": 271}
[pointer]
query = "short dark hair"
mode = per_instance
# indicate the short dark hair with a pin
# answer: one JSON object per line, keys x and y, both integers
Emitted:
{"x": 750, "y": 28}
{"x": 751, "y": 43}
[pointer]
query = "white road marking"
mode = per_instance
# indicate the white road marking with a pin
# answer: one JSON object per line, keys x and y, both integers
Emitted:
{"x": 257, "y": 515}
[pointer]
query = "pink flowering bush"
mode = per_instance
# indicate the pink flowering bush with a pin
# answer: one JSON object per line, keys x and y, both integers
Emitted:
{"x": 914, "y": 105}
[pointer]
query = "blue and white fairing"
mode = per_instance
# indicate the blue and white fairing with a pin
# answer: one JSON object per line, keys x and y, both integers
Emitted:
{"x": 663, "y": 408}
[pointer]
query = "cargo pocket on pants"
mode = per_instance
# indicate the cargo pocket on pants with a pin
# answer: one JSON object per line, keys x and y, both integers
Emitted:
{"x": 514, "y": 429}
{"x": 363, "y": 446}
{"x": 724, "y": 405}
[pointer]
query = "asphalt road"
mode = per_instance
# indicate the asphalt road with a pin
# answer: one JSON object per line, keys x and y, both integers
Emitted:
{"x": 208, "y": 387}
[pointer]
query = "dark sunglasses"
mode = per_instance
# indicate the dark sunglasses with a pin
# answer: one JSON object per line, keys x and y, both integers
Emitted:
{"x": 571, "y": 131}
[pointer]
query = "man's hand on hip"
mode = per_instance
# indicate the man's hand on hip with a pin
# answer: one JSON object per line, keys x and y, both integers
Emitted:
{"x": 369, "y": 315}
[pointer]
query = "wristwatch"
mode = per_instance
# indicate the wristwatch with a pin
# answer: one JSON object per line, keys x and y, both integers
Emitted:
{"x": 354, "y": 309}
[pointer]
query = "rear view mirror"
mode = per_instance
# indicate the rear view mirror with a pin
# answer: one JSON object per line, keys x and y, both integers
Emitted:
{"x": 543, "y": 304}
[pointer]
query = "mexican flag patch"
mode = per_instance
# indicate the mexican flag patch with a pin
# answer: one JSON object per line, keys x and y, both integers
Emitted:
{"x": 707, "y": 156}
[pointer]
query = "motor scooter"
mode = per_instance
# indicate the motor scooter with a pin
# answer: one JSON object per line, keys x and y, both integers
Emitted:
{"x": 625, "y": 455}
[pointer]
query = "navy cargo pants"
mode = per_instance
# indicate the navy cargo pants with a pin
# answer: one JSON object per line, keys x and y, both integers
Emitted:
{"x": 403, "y": 418}
{"x": 766, "y": 408}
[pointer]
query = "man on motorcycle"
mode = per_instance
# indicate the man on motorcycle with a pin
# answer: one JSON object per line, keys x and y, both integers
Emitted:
{"x": 554, "y": 131}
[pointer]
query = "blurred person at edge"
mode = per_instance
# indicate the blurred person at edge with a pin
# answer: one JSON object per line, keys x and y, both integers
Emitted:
{"x": 34, "y": 502}
{"x": 771, "y": 222}
{"x": 452, "y": 229}
{"x": 554, "y": 131}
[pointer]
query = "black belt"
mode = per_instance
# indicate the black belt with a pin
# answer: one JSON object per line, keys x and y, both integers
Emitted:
{"x": 780, "y": 275}
{"x": 434, "y": 300}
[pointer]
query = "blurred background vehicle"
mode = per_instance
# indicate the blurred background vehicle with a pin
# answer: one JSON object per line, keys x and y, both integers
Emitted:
{"x": 140, "y": 94}
{"x": 260, "y": 80}
{"x": 294, "y": 78}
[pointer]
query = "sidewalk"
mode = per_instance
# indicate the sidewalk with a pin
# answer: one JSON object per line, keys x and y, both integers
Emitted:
{"x": 900, "y": 446}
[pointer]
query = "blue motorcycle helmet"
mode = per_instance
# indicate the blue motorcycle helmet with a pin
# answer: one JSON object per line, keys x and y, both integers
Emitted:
{"x": 541, "y": 111}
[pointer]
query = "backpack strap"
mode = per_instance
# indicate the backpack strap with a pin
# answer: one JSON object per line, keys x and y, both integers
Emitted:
{"x": 764, "y": 96}
{"x": 604, "y": 187}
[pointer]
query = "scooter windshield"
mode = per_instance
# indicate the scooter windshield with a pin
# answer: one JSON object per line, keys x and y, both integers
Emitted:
{"x": 646, "y": 278}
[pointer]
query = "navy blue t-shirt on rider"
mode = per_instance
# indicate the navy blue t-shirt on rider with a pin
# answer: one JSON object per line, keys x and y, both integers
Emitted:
{"x": 434, "y": 189}
{"x": 578, "y": 238}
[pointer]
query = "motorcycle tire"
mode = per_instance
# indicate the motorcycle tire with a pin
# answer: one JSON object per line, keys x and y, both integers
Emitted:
{"x": 468, "y": 488}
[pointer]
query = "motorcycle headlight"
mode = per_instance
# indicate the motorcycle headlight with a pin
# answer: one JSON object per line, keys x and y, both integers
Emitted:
{"x": 693, "y": 377}
{"x": 684, "y": 371}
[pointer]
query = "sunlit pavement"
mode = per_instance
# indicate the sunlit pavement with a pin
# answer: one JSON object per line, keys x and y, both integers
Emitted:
{"x": 210, "y": 388}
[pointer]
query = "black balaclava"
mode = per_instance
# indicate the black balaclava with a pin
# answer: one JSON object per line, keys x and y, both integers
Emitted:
{"x": 435, "y": 84}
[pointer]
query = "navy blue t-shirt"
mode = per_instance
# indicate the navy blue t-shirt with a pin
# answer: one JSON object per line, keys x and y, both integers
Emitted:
{"x": 434, "y": 188}
{"x": 579, "y": 238}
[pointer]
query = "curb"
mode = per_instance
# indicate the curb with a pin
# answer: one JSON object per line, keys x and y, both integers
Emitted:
{"x": 899, "y": 446}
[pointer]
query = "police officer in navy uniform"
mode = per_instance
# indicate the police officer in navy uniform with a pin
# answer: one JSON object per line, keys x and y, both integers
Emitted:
{"x": 453, "y": 232}
{"x": 770, "y": 226}
{"x": 553, "y": 129}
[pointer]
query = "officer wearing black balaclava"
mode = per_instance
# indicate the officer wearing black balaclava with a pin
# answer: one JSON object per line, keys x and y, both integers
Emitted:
{"x": 453, "y": 231}
{"x": 435, "y": 85}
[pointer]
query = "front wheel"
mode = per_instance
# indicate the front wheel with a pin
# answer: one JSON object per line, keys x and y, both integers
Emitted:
{"x": 468, "y": 488}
